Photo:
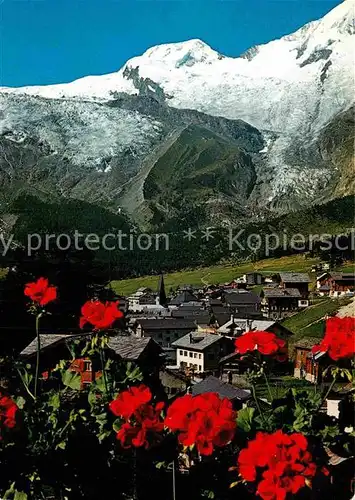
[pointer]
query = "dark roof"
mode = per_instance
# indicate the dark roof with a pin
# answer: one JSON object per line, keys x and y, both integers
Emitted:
{"x": 307, "y": 342}
{"x": 126, "y": 346}
{"x": 343, "y": 276}
{"x": 200, "y": 340}
{"x": 213, "y": 384}
{"x": 201, "y": 318}
{"x": 281, "y": 292}
{"x": 131, "y": 348}
{"x": 215, "y": 302}
{"x": 295, "y": 277}
{"x": 324, "y": 288}
{"x": 184, "y": 296}
{"x": 167, "y": 324}
{"x": 46, "y": 341}
{"x": 242, "y": 298}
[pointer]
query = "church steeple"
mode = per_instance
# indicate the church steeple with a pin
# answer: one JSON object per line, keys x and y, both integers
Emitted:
{"x": 161, "y": 291}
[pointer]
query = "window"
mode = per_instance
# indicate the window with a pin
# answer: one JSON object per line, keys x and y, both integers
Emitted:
{"x": 87, "y": 366}
{"x": 181, "y": 353}
{"x": 195, "y": 355}
{"x": 199, "y": 356}
{"x": 199, "y": 368}
{"x": 190, "y": 354}
{"x": 185, "y": 353}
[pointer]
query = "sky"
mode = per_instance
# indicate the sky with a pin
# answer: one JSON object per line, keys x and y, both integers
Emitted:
{"x": 57, "y": 41}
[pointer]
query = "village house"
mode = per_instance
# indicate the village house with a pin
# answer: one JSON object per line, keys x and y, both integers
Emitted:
{"x": 300, "y": 281}
{"x": 253, "y": 278}
{"x": 306, "y": 366}
{"x": 164, "y": 331}
{"x": 238, "y": 397}
{"x": 145, "y": 353}
{"x": 175, "y": 382}
{"x": 243, "y": 302}
{"x": 201, "y": 351}
{"x": 335, "y": 283}
{"x": 277, "y": 303}
{"x": 184, "y": 297}
{"x": 235, "y": 327}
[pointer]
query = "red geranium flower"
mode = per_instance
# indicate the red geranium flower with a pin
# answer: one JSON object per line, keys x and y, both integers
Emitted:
{"x": 127, "y": 402}
{"x": 265, "y": 342}
{"x": 204, "y": 421}
{"x": 280, "y": 462}
{"x": 41, "y": 292}
{"x": 339, "y": 339}
{"x": 101, "y": 316}
{"x": 142, "y": 419}
{"x": 8, "y": 410}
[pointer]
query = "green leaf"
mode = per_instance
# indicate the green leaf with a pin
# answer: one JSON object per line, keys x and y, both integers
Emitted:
{"x": 54, "y": 401}
{"x": 62, "y": 445}
{"x": 117, "y": 425}
{"x": 245, "y": 419}
{"x": 72, "y": 380}
{"x": 20, "y": 495}
{"x": 20, "y": 401}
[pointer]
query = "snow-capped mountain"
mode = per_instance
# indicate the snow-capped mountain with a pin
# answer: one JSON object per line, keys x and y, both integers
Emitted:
{"x": 307, "y": 76}
{"x": 290, "y": 90}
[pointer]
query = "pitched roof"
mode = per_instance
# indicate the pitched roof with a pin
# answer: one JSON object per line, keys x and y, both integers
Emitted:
{"x": 243, "y": 324}
{"x": 213, "y": 384}
{"x": 198, "y": 341}
{"x": 281, "y": 292}
{"x": 295, "y": 277}
{"x": 46, "y": 340}
{"x": 184, "y": 296}
{"x": 128, "y": 347}
{"x": 236, "y": 298}
{"x": 167, "y": 324}
{"x": 343, "y": 276}
{"x": 307, "y": 342}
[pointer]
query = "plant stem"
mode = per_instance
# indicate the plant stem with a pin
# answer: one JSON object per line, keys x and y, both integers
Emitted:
{"x": 257, "y": 402}
{"x": 268, "y": 387}
{"x": 174, "y": 480}
{"x": 38, "y": 317}
{"x": 327, "y": 393}
{"x": 24, "y": 384}
{"x": 102, "y": 357}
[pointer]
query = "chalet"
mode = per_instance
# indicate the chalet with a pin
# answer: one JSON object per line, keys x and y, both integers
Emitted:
{"x": 277, "y": 303}
{"x": 237, "y": 396}
{"x": 164, "y": 331}
{"x": 235, "y": 327}
{"x": 333, "y": 283}
{"x": 300, "y": 281}
{"x": 174, "y": 382}
{"x": 184, "y": 297}
{"x": 243, "y": 302}
{"x": 201, "y": 350}
{"x": 306, "y": 366}
{"x": 253, "y": 278}
{"x": 219, "y": 315}
{"x": 145, "y": 353}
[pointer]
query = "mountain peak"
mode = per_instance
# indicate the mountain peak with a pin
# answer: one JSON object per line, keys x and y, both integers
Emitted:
{"x": 179, "y": 54}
